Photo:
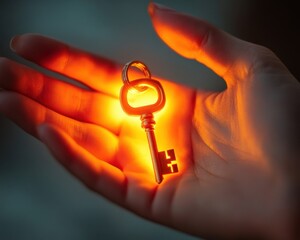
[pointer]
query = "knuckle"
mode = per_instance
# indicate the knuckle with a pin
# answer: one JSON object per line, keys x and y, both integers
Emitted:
{"x": 83, "y": 105}
{"x": 79, "y": 106}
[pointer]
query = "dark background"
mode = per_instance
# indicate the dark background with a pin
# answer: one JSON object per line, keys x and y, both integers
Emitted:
{"x": 38, "y": 199}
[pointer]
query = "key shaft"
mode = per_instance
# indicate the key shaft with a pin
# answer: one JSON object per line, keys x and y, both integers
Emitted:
{"x": 148, "y": 124}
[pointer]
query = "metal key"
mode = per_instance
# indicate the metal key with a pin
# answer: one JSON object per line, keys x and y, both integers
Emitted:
{"x": 163, "y": 163}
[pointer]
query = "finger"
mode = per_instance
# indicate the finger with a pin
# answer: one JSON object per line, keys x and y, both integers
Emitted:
{"x": 94, "y": 173}
{"x": 28, "y": 114}
{"x": 196, "y": 39}
{"x": 62, "y": 97}
{"x": 129, "y": 189}
{"x": 96, "y": 72}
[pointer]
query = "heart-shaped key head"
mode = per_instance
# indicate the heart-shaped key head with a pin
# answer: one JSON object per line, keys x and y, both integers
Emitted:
{"x": 140, "y": 85}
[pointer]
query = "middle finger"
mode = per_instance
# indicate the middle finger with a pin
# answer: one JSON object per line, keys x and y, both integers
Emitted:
{"x": 64, "y": 98}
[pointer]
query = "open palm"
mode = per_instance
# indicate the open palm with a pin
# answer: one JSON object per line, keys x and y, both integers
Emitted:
{"x": 229, "y": 145}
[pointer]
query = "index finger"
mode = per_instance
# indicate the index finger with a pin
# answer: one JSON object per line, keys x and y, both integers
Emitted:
{"x": 96, "y": 72}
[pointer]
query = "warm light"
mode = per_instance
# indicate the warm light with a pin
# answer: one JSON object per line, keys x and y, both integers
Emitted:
{"x": 84, "y": 67}
{"x": 103, "y": 107}
{"x": 144, "y": 97}
{"x": 92, "y": 115}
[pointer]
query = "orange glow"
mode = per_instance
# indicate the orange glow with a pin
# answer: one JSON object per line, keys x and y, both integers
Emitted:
{"x": 133, "y": 151}
{"x": 93, "y": 116}
{"x": 145, "y": 97}
{"x": 85, "y": 68}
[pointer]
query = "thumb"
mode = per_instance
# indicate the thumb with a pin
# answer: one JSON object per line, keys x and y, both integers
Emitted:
{"x": 197, "y": 39}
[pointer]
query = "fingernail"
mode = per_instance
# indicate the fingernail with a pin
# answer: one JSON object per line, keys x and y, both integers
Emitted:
{"x": 153, "y": 7}
{"x": 14, "y": 42}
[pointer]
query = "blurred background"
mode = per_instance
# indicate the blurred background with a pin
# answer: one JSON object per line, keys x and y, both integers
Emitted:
{"x": 38, "y": 198}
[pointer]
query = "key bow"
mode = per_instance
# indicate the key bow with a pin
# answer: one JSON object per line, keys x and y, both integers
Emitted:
{"x": 141, "y": 85}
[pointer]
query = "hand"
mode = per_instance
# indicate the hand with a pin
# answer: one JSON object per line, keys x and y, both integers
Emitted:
{"x": 237, "y": 150}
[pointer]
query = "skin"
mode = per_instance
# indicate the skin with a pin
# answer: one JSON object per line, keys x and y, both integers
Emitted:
{"x": 237, "y": 150}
